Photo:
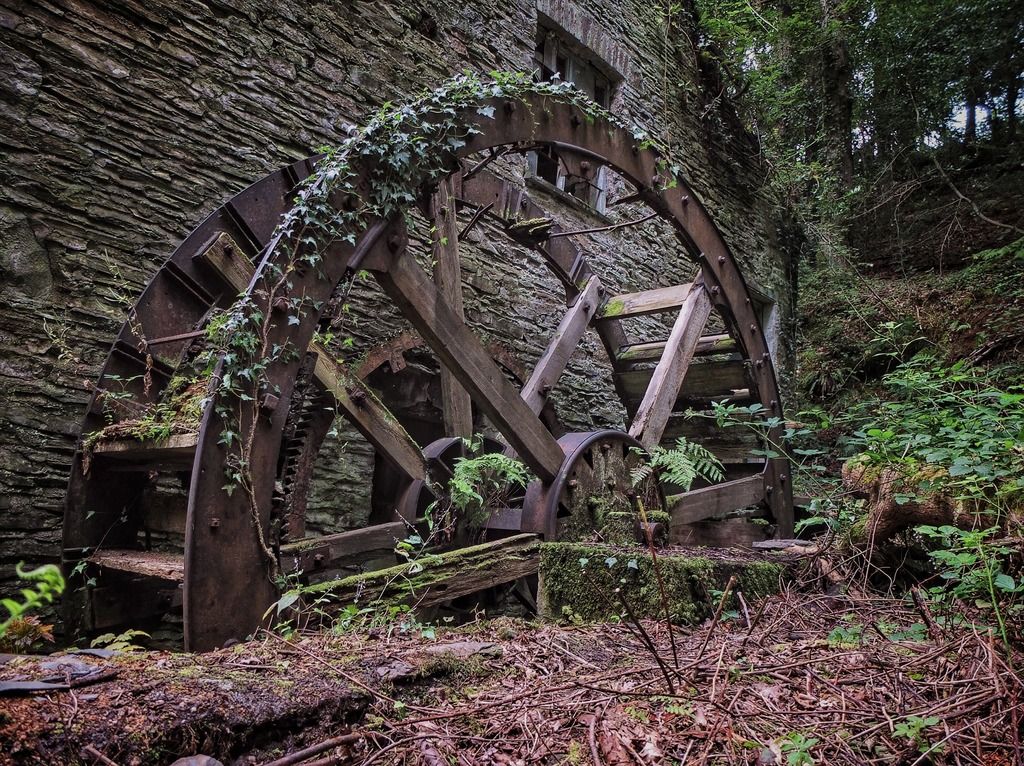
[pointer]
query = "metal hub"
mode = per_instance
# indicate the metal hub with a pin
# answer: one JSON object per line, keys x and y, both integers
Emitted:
{"x": 598, "y": 494}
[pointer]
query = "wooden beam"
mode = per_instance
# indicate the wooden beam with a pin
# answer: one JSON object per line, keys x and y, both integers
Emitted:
{"x": 716, "y": 500}
{"x": 163, "y": 566}
{"x": 645, "y": 302}
{"x": 371, "y": 418}
{"x": 456, "y": 402}
{"x": 177, "y": 451}
{"x": 443, "y": 577}
{"x": 651, "y": 352}
{"x": 657, "y": 404}
{"x": 343, "y": 548}
{"x": 461, "y": 352}
{"x": 556, "y": 356}
{"x": 356, "y": 402}
{"x": 222, "y": 254}
{"x": 704, "y": 380}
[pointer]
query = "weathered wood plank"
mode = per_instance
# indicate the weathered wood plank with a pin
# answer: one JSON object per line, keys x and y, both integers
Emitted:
{"x": 371, "y": 418}
{"x": 342, "y": 548}
{"x": 455, "y": 400}
{"x": 443, "y": 577}
{"x": 730, "y": 445}
{"x": 224, "y": 256}
{"x": 177, "y": 450}
{"x": 656, "y": 406}
{"x": 651, "y": 352}
{"x": 164, "y": 566}
{"x": 565, "y": 340}
{"x": 704, "y": 380}
{"x": 461, "y": 351}
{"x": 700, "y": 504}
{"x": 644, "y": 302}
{"x": 720, "y": 533}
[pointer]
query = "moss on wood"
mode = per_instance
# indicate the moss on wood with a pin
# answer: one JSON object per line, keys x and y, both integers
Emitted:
{"x": 578, "y": 582}
{"x": 436, "y": 577}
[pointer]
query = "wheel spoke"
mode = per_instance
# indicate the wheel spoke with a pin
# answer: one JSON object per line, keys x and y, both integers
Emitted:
{"x": 460, "y": 351}
{"x": 555, "y": 358}
{"x": 456, "y": 402}
{"x": 371, "y": 418}
{"x": 656, "y": 407}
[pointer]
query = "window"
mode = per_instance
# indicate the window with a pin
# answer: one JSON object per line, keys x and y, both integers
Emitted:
{"x": 555, "y": 58}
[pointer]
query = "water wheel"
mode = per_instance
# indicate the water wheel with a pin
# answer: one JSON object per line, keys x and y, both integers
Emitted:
{"x": 122, "y": 497}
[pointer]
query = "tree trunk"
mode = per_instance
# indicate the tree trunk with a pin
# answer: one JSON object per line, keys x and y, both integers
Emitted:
{"x": 971, "y": 123}
{"x": 840, "y": 97}
{"x": 1012, "y": 92}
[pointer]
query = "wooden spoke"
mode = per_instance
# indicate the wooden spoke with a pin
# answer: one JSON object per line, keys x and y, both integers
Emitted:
{"x": 371, "y": 418}
{"x": 359, "y": 406}
{"x": 556, "y": 356}
{"x": 657, "y": 404}
{"x": 456, "y": 402}
{"x": 460, "y": 351}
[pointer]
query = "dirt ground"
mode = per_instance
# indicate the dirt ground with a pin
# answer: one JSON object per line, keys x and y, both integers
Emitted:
{"x": 797, "y": 679}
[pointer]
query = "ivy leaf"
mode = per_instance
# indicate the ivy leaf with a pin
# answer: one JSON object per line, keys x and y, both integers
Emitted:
{"x": 486, "y": 111}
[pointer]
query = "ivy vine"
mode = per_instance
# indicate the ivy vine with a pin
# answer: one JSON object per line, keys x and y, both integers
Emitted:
{"x": 402, "y": 153}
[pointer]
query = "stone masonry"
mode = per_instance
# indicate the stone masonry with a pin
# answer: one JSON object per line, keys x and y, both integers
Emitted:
{"x": 124, "y": 122}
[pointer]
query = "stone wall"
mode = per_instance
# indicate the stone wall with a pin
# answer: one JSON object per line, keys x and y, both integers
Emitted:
{"x": 123, "y": 122}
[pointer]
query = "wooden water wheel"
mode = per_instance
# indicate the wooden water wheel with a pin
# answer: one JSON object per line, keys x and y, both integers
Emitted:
{"x": 115, "y": 507}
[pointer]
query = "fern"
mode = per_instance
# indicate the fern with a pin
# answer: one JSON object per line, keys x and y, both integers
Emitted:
{"x": 478, "y": 485}
{"x": 681, "y": 465}
{"x": 476, "y": 479}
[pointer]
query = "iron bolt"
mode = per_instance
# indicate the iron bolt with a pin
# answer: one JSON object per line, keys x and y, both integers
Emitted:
{"x": 214, "y": 522}
{"x": 721, "y": 259}
{"x": 269, "y": 402}
{"x": 685, "y": 200}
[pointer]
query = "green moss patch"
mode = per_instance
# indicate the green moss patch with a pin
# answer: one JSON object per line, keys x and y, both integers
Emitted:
{"x": 595, "y": 583}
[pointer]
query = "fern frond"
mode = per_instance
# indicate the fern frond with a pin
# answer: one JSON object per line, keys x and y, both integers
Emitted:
{"x": 684, "y": 463}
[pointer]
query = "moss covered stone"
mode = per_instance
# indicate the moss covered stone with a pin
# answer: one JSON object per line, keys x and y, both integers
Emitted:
{"x": 591, "y": 583}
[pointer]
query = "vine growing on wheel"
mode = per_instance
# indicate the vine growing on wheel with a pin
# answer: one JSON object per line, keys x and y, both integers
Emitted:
{"x": 400, "y": 155}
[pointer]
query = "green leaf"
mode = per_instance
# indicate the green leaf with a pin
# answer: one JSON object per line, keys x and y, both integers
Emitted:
{"x": 1005, "y": 583}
